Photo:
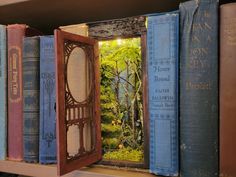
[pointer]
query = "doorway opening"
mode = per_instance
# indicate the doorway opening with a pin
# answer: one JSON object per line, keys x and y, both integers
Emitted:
{"x": 121, "y": 100}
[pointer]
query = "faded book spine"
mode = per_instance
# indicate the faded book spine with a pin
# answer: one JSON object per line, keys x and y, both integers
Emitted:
{"x": 199, "y": 88}
{"x": 227, "y": 90}
{"x": 47, "y": 141}
{"x": 3, "y": 93}
{"x": 162, "y": 42}
{"x": 15, "y": 99}
{"x": 31, "y": 99}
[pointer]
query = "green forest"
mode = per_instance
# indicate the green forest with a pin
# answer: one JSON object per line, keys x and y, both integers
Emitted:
{"x": 121, "y": 99}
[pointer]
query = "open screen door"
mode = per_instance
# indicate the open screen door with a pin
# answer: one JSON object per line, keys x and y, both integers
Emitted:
{"x": 78, "y": 109}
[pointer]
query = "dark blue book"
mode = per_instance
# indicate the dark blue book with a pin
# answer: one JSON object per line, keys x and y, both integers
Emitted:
{"x": 199, "y": 89}
{"x": 163, "y": 42}
{"x": 47, "y": 141}
{"x": 3, "y": 93}
{"x": 31, "y": 99}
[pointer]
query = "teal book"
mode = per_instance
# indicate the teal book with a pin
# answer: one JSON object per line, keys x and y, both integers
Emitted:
{"x": 47, "y": 140}
{"x": 199, "y": 127}
{"x": 31, "y": 99}
{"x": 163, "y": 57}
{"x": 3, "y": 93}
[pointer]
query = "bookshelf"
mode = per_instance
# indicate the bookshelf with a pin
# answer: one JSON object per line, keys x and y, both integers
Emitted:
{"x": 50, "y": 170}
{"x": 41, "y": 170}
{"x": 47, "y": 15}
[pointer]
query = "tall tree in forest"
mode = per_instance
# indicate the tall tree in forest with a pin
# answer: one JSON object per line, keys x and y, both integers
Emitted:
{"x": 121, "y": 93}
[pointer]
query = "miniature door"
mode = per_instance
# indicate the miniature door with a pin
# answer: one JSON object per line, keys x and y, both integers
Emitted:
{"x": 78, "y": 110}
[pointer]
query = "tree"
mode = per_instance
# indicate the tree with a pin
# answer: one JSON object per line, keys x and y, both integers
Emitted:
{"x": 121, "y": 103}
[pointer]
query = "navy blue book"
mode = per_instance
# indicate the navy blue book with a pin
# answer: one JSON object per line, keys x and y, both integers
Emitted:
{"x": 47, "y": 141}
{"x": 163, "y": 42}
{"x": 199, "y": 89}
{"x": 31, "y": 99}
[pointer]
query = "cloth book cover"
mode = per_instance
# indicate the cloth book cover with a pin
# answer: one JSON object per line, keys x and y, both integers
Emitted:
{"x": 3, "y": 93}
{"x": 15, "y": 34}
{"x": 31, "y": 99}
{"x": 199, "y": 89}
{"x": 228, "y": 90}
{"x": 47, "y": 141}
{"x": 163, "y": 42}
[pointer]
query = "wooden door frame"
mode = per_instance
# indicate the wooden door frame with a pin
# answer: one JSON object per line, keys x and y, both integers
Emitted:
{"x": 65, "y": 165}
{"x": 130, "y": 27}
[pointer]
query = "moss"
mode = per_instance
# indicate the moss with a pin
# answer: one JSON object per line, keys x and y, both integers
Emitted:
{"x": 110, "y": 143}
{"x": 126, "y": 154}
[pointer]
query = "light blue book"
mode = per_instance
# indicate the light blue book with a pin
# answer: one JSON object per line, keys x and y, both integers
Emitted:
{"x": 3, "y": 93}
{"x": 162, "y": 42}
{"x": 47, "y": 140}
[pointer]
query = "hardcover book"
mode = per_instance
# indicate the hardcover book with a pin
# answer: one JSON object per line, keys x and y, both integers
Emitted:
{"x": 3, "y": 93}
{"x": 199, "y": 88}
{"x": 15, "y": 36}
{"x": 227, "y": 90}
{"x": 31, "y": 99}
{"x": 162, "y": 41}
{"x": 47, "y": 140}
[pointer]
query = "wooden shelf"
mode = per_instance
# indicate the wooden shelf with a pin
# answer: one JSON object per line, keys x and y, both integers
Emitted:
{"x": 38, "y": 170}
{"x": 47, "y": 15}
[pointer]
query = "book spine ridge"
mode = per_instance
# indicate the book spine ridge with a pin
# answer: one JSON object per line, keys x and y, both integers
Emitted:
{"x": 31, "y": 99}
{"x": 162, "y": 42}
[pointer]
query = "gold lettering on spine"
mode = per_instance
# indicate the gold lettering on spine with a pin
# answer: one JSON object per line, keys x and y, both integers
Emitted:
{"x": 15, "y": 90}
{"x": 198, "y": 54}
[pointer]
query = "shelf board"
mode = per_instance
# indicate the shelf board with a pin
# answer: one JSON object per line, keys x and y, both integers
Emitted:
{"x": 47, "y": 15}
{"x": 38, "y": 170}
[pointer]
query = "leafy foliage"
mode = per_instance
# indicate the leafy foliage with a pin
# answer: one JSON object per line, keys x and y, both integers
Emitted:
{"x": 121, "y": 95}
{"x": 128, "y": 154}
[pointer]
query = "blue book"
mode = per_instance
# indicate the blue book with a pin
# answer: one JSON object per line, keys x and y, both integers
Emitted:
{"x": 199, "y": 89}
{"x": 162, "y": 42}
{"x": 31, "y": 99}
{"x": 3, "y": 93}
{"x": 47, "y": 141}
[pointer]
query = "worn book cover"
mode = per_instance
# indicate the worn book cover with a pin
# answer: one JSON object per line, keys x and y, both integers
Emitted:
{"x": 3, "y": 93}
{"x": 227, "y": 90}
{"x": 162, "y": 42}
{"x": 31, "y": 99}
{"x": 47, "y": 140}
{"x": 199, "y": 89}
{"x": 15, "y": 34}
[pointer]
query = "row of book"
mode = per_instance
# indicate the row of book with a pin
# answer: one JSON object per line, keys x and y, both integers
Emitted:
{"x": 191, "y": 85}
{"x": 28, "y": 107}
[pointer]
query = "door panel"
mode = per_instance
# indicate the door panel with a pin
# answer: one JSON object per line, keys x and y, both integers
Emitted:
{"x": 78, "y": 107}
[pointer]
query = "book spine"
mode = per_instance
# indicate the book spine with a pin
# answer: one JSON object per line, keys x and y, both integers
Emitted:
{"x": 162, "y": 42}
{"x": 47, "y": 144}
{"x": 227, "y": 90}
{"x": 3, "y": 93}
{"x": 31, "y": 99}
{"x": 199, "y": 88}
{"x": 15, "y": 91}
